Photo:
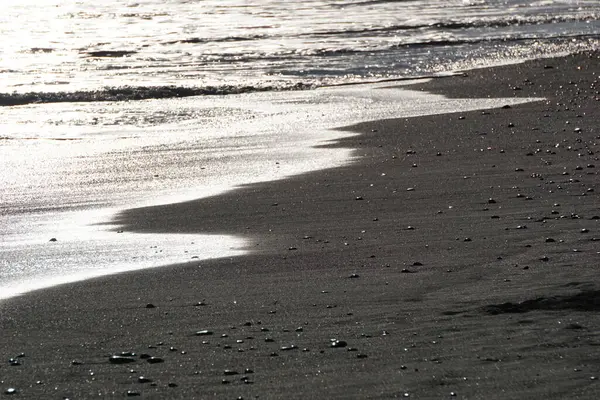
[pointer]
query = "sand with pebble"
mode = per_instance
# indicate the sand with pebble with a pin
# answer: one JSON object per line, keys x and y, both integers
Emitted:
{"x": 455, "y": 258}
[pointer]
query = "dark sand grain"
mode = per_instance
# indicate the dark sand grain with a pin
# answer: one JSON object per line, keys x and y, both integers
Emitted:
{"x": 425, "y": 269}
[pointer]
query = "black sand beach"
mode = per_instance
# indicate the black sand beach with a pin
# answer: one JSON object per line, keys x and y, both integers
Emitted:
{"x": 456, "y": 257}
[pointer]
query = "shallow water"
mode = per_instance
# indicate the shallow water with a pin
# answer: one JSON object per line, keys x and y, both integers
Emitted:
{"x": 69, "y": 189}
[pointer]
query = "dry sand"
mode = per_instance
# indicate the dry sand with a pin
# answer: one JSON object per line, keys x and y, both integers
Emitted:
{"x": 456, "y": 258}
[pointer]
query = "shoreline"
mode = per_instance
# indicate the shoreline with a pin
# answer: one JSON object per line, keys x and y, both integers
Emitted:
{"x": 436, "y": 270}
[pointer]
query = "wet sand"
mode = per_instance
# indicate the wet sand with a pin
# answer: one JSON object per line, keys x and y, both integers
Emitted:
{"x": 456, "y": 258}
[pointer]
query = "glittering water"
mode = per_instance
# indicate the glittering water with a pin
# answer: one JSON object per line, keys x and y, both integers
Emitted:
{"x": 92, "y": 119}
{"x": 58, "y": 45}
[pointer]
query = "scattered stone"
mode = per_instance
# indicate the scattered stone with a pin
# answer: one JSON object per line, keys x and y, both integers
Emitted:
{"x": 204, "y": 333}
{"x": 150, "y": 305}
{"x": 133, "y": 393}
{"x": 120, "y": 359}
{"x": 550, "y": 240}
{"x": 230, "y": 372}
{"x": 143, "y": 379}
{"x": 353, "y": 276}
{"x": 11, "y": 391}
{"x": 338, "y": 343}
{"x": 155, "y": 360}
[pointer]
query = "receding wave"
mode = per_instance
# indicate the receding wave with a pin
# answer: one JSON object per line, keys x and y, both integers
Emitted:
{"x": 195, "y": 40}
{"x": 469, "y": 41}
{"x": 109, "y": 53}
{"x": 128, "y": 93}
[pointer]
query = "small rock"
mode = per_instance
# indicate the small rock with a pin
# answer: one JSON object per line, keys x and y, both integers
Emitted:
{"x": 155, "y": 360}
{"x": 133, "y": 393}
{"x": 204, "y": 333}
{"x": 338, "y": 343}
{"x": 120, "y": 360}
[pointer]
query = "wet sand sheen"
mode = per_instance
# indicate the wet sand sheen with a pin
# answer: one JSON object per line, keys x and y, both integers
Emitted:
{"x": 455, "y": 258}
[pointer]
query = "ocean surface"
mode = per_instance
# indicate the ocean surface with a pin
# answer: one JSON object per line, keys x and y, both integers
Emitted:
{"x": 110, "y": 105}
